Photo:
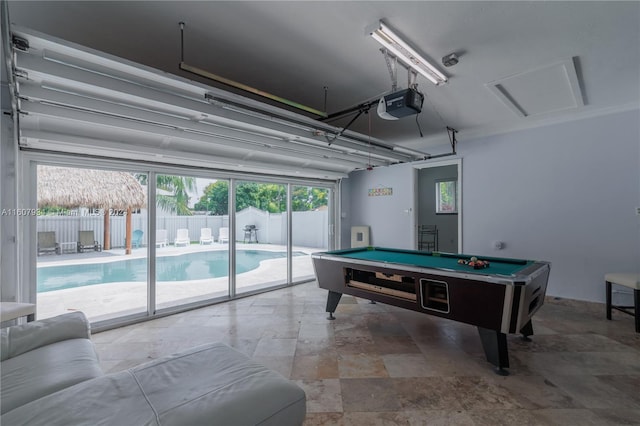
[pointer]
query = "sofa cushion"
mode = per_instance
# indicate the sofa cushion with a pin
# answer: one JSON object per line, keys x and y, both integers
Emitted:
{"x": 114, "y": 399}
{"x": 216, "y": 382}
{"x": 210, "y": 384}
{"x": 46, "y": 370}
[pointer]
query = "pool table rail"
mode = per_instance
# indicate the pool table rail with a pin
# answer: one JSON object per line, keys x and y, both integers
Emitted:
{"x": 515, "y": 279}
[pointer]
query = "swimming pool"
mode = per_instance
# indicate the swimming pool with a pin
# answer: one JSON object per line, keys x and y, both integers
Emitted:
{"x": 185, "y": 267}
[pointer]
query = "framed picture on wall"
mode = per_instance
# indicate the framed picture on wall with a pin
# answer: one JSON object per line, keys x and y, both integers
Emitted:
{"x": 447, "y": 196}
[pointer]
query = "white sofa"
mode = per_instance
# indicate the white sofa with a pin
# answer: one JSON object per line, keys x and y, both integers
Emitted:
{"x": 51, "y": 376}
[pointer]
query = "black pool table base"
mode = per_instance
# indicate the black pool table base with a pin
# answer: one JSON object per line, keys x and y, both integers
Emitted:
{"x": 495, "y": 348}
{"x": 493, "y": 342}
{"x": 333, "y": 298}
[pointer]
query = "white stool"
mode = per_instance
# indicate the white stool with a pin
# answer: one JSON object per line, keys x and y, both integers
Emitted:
{"x": 12, "y": 310}
{"x": 628, "y": 280}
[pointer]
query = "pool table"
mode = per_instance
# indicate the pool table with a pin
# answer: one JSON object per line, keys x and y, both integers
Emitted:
{"x": 499, "y": 299}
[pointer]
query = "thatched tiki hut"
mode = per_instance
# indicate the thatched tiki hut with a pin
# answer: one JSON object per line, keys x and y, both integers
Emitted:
{"x": 99, "y": 189}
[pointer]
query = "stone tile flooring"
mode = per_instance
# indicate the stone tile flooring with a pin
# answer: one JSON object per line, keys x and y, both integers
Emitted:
{"x": 381, "y": 365}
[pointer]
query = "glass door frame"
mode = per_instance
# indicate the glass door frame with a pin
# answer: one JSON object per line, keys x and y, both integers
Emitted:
{"x": 27, "y": 225}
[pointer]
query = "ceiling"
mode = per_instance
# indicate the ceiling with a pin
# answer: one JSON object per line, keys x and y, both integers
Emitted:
{"x": 522, "y": 64}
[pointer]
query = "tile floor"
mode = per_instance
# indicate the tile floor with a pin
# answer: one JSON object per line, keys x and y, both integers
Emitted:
{"x": 381, "y": 365}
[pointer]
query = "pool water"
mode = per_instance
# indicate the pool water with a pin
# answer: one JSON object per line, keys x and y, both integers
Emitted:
{"x": 185, "y": 267}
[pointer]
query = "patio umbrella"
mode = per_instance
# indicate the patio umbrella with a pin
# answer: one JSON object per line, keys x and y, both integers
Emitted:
{"x": 101, "y": 189}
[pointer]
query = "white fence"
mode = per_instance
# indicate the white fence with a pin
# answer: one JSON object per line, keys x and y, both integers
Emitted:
{"x": 309, "y": 229}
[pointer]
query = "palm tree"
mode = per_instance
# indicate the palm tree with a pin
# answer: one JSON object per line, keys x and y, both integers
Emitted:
{"x": 178, "y": 186}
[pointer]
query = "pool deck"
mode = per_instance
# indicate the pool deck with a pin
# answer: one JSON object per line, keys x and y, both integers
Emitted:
{"x": 103, "y": 301}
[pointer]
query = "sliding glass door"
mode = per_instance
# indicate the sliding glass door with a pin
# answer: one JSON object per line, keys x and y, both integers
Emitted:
{"x": 192, "y": 250}
{"x": 260, "y": 235}
{"x": 91, "y": 251}
{"x": 114, "y": 244}
{"x": 310, "y": 224}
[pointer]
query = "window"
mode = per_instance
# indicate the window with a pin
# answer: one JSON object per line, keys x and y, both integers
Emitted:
{"x": 447, "y": 196}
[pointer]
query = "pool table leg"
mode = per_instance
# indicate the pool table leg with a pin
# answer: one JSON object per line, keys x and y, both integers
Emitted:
{"x": 527, "y": 331}
{"x": 333, "y": 299}
{"x": 494, "y": 344}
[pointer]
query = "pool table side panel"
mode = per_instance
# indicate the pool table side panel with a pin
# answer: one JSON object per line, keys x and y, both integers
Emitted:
{"x": 532, "y": 296}
{"x": 331, "y": 276}
{"x": 473, "y": 302}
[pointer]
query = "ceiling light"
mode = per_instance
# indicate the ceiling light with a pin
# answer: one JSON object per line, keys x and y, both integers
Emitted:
{"x": 412, "y": 59}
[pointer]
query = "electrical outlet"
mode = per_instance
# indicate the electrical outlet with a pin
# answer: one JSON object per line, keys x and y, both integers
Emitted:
{"x": 637, "y": 211}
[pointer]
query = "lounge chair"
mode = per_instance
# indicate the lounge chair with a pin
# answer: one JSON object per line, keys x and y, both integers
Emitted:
{"x": 161, "y": 238}
{"x": 47, "y": 243}
{"x": 205, "y": 236}
{"x": 182, "y": 237}
{"x": 136, "y": 238}
{"x": 223, "y": 237}
{"x": 86, "y": 241}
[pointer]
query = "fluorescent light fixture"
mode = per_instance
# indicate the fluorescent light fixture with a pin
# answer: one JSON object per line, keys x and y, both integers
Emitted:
{"x": 412, "y": 59}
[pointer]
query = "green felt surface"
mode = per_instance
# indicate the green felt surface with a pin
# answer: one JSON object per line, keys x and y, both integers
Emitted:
{"x": 498, "y": 266}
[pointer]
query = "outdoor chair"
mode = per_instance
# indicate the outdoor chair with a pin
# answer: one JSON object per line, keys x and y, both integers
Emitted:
{"x": 182, "y": 237}
{"x": 136, "y": 238}
{"x": 47, "y": 243}
{"x": 205, "y": 236}
{"x": 223, "y": 236}
{"x": 86, "y": 241}
{"x": 161, "y": 238}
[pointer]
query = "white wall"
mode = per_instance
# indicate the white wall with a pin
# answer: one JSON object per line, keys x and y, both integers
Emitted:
{"x": 564, "y": 193}
{"x": 389, "y": 217}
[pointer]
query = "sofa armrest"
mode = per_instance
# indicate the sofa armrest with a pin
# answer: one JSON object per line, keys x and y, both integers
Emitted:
{"x": 19, "y": 339}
